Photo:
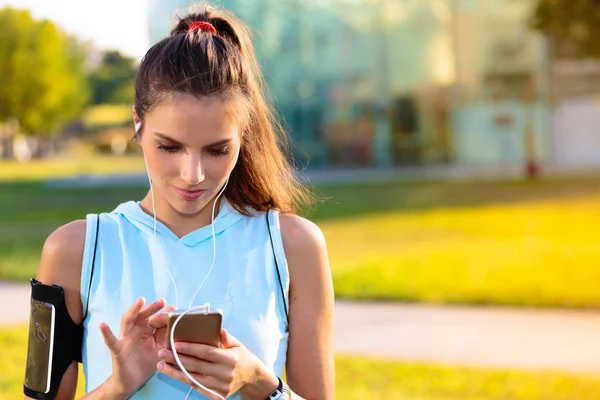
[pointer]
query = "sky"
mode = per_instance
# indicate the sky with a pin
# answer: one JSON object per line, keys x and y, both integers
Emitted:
{"x": 109, "y": 24}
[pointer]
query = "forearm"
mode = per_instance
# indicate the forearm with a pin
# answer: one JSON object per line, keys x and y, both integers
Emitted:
{"x": 296, "y": 397}
{"x": 107, "y": 390}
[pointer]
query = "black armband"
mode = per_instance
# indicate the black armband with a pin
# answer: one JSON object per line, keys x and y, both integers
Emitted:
{"x": 55, "y": 341}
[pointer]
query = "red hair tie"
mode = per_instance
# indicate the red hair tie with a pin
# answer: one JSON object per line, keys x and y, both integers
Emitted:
{"x": 201, "y": 26}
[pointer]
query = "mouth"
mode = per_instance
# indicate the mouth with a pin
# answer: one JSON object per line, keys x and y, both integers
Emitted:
{"x": 189, "y": 195}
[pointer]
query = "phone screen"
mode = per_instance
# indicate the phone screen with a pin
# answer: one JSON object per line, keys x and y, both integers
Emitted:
{"x": 40, "y": 346}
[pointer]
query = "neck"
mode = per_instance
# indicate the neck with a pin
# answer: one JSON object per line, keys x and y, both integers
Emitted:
{"x": 180, "y": 224}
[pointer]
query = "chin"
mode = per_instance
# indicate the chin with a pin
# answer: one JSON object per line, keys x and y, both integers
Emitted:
{"x": 187, "y": 207}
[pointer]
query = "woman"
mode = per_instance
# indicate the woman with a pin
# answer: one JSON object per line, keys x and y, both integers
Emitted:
{"x": 211, "y": 146}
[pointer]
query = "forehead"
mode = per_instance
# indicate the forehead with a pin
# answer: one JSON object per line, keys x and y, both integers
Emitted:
{"x": 192, "y": 120}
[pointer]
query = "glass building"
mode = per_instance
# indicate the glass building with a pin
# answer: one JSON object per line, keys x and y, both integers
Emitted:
{"x": 384, "y": 83}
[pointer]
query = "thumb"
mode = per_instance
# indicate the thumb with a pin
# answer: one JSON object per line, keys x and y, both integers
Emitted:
{"x": 113, "y": 344}
{"x": 228, "y": 340}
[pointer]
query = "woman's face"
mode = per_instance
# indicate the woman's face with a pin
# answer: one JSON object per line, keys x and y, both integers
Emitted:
{"x": 191, "y": 146}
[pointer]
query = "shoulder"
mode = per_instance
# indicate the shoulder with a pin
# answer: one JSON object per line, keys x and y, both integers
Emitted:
{"x": 305, "y": 251}
{"x": 299, "y": 234}
{"x": 61, "y": 261}
{"x": 63, "y": 248}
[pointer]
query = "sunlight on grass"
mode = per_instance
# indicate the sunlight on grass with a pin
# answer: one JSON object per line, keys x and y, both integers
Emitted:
{"x": 68, "y": 166}
{"x": 107, "y": 114}
{"x": 364, "y": 378}
{"x": 540, "y": 254}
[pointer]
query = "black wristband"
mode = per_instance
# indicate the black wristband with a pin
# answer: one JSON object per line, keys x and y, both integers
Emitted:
{"x": 282, "y": 392}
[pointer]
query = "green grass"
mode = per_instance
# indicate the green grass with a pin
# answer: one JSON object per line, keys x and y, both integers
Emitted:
{"x": 35, "y": 170}
{"x": 360, "y": 378}
{"x": 503, "y": 243}
{"x": 363, "y": 378}
{"x": 508, "y": 243}
{"x": 538, "y": 254}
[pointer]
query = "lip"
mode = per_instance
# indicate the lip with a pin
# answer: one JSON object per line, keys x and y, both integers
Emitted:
{"x": 189, "y": 195}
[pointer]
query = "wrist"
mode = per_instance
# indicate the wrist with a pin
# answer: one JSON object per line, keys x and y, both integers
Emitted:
{"x": 261, "y": 387}
{"x": 111, "y": 390}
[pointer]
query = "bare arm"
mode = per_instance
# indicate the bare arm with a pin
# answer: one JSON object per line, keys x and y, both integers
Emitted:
{"x": 310, "y": 364}
{"x": 60, "y": 265}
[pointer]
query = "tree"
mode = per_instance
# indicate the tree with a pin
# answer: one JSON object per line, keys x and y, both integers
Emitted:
{"x": 43, "y": 71}
{"x": 572, "y": 22}
{"x": 112, "y": 80}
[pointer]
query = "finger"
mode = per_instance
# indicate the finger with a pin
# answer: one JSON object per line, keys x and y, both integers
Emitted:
{"x": 193, "y": 364}
{"x": 151, "y": 309}
{"x": 169, "y": 309}
{"x": 207, "y": 381}
{"x": 228, "y": 340}
{"x": 160, "y": 320}
{"x": 201, "y": 351}
{"x": 132, "y": 312}
{"x": 111, "y": 341}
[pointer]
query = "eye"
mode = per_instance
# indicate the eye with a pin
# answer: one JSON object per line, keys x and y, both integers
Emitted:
{"x": 219, "y": 152}
{"x": 168, "y": 149}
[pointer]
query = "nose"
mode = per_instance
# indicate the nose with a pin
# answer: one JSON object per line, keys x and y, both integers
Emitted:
{"x": 191, "y": 171}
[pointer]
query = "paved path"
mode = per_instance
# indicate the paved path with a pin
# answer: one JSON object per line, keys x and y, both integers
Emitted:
{"x": 478, "y": 336}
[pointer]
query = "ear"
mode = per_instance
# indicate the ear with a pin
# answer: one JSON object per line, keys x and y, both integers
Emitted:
{"x": 136, "y": 120}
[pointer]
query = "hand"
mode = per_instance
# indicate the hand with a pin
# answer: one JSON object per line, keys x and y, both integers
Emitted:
{"x": 225, "y": 370}
{"x": 142, "y": 335}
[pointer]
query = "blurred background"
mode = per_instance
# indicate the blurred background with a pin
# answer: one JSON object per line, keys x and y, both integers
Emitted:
{"x": 456, "y": 143}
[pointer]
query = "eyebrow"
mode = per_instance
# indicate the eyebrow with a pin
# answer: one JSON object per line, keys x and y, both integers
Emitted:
{"x": 170, "y": 139}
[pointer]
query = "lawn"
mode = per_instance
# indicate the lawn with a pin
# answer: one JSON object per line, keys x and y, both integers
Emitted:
{"x": 363, "y": 378}
{"x": 544, "y": 253}
{"x": 508, "y": 243}
{"x": 68, "y": 166}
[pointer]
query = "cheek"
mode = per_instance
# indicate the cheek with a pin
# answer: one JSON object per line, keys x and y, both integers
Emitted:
{"x": 160, "y": 163}
{"x": 216, "y": 167}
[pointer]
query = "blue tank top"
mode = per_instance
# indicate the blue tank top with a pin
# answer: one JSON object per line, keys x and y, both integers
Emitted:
{"x": 244, "y": 283}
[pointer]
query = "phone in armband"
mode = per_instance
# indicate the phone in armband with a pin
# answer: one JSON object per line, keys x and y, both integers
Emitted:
{"x": 40, "y": 346}
{"x": 198, "y": 326}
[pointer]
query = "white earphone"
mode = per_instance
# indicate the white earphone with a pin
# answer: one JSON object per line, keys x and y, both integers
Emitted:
{"x": 206, "y": 306}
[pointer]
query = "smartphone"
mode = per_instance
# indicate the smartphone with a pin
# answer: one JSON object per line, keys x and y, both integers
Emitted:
{"x": 38, "y": 373}
{"x": 196, "y": 327}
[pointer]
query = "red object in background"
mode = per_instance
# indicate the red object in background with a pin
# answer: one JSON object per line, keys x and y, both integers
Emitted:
{"x": 532, "y": 169}
{"x": 503, "y": 120}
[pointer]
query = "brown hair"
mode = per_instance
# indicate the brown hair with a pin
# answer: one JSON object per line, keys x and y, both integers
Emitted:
{"x": 224, "y": 66}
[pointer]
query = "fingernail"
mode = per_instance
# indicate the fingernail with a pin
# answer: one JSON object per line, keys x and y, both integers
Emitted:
{"x": 162, "y": 354}
{"x": 178, "y": 347}
{"x": 161, "y": 365}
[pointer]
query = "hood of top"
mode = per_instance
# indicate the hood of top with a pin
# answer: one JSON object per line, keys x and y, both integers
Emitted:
{"x": 133, "y": 212}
